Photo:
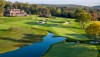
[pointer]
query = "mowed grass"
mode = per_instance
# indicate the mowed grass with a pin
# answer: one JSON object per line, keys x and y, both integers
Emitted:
{"x": 30, "y": 32}
{"x": 20, "y": 35}
{"x": 19, "y": 38}
{"x": 69, "y": 34}
{"x": 72, "y": 50}
{"x": 71, "y": 31}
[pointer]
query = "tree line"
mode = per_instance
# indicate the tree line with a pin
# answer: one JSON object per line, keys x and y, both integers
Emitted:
{"x": 47, "y": 11}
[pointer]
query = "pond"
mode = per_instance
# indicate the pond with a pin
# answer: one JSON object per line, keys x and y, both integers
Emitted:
{"x": 37, "y": 49}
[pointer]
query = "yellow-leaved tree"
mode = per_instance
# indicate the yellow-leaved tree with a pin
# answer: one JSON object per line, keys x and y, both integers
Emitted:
{"x": 2, "y": 4}
{"x": 94, "y": 30}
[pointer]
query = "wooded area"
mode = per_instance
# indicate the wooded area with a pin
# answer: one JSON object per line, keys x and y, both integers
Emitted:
{"x": 47, "y": 11}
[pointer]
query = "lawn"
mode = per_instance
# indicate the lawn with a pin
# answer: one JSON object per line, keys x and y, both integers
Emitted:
{"x": 10, "y": 40}
{"x": 71, "y": 31}
{"x": 98, "y": 47}
{"x": 13, "y": 36}
{"x": 17, "y": 32}
{"x": 72, "y": 50}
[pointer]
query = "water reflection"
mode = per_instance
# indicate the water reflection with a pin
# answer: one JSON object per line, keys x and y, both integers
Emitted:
{"x": 35, "y": 50}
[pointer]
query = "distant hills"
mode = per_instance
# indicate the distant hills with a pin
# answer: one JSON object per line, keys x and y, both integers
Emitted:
{"x": 63, "y": 5}
{"x": 68, "y": 5}
{"x": 96, "y": 6}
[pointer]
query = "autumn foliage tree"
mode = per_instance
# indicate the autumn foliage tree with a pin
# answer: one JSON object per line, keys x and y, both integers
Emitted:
{"x": 94, "y": 16}
{"x": 94, "y": 30}
{"x": 2, "y": 4}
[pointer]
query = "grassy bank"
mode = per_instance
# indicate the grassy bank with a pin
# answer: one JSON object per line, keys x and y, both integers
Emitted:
{"x": 72, "y": 50}
{"x": 14, "y": 35}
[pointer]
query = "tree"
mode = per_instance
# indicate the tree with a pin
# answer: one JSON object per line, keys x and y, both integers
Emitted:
{"x": 44, "y": 12}
{"x": 53, "y": 10}
{"x": 26, "y": 7}
{"x": 32, "y": 9}
{"x": 8, "y": 5}
{"x": 94, "y": 16}
{"x": 2, "y": 4}
{"x": 82, "y": 17}
{"x": 68, "y": 12}
{"x": 58, "y": 11}
{"x": 93, "y": 30}
{"x": 16, "y": 5}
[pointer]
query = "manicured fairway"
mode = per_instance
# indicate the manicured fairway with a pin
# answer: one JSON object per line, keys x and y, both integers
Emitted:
{"x": 29, "y": 31}
{"x": 53, "y": 26}
{"x": 21, "y": 35}
{"x": 72, "y": 50}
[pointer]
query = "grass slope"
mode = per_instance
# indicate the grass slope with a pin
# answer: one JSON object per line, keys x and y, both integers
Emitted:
{"x": 68, "y": 33}
{"x": 21, "y": 35}
{"x": 72, "y": 50}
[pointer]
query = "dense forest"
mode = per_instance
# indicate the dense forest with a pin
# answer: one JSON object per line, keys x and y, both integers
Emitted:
{"x": 47, "y": 10}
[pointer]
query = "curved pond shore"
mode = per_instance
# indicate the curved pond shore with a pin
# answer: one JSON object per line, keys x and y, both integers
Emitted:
{"x": 35, "y": 50}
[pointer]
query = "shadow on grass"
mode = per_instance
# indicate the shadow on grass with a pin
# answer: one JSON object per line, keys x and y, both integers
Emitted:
{"x": 31, "y": 23}
{"x": 72, "y": 27}
{"x": 57, "y": 21}
{"x": 71, "y": 50}
{"x": 33, "y": 38}
{"x": 26, "y": 39}
{"x": 78, "y": 37}
{"x": 47, "y": 25}
{"x": 98, "y": 47}
{"x": 55, "y": 24}
{"x": 14, "y": 40}
{"x": 4, "y": 30}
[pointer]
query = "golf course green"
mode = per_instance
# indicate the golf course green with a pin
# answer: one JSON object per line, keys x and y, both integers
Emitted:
{"x": 16, "y": 32}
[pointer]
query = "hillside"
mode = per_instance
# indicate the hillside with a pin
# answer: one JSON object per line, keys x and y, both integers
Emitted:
{"x": 97, "y": 6}
{"x": 63, "y": 5}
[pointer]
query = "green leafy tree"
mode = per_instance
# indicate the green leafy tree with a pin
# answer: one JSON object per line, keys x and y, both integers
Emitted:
{"x": 82, "y": 17}
{"x": 8, "y": 5}
{"x": 44, "y": 12}
{"x": 26, "y": 7}
{"x": 58, "y": 11}
{"x": 53, "y": 10}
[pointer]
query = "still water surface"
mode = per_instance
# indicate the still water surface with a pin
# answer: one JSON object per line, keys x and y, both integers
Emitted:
{"x": 35, "y": 50}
